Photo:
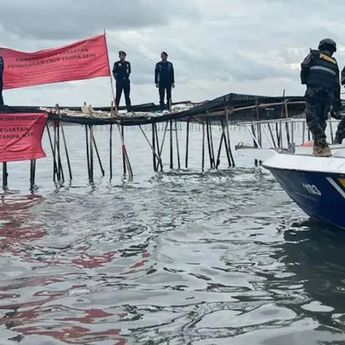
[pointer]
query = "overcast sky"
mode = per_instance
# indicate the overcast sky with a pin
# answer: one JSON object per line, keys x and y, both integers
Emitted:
{"x": 216, "y": 46}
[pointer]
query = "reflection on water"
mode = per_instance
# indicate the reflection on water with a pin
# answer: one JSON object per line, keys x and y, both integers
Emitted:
{"x": 314, "y": 253}
{"x": 179, "y": 258}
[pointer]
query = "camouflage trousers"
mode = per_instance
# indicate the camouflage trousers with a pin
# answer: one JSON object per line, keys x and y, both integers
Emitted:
{"x": 318, "y": 103}
{"x": 340, "y": 134}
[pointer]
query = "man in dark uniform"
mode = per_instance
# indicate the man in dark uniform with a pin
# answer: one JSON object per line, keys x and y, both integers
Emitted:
{"x": 1, "y": 80}
{"x": 121, "y": 72}
{"x": 320, "y": 72}
{"x": 164, "y": 79}
{"x": 340, "y": 134}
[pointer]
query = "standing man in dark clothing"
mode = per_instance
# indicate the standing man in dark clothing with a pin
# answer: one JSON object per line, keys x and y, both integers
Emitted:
{"x": 121, "y": 72}
{"x": 164, "y": 79}
{"x": 320, "y": 72}
{"x": 340, "y": 134}
{"x": 2, "y": 65}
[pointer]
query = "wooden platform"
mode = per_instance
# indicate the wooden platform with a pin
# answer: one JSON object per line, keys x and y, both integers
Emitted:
{"x": 236, "y": 107}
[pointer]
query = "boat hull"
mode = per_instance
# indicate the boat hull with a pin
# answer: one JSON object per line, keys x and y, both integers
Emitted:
{"x": 320, "y": 194}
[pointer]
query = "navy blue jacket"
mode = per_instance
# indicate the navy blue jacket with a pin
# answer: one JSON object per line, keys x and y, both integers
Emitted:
{"x": 121, "y": 70}
{"x": 164, "y": 73}
{"x": 320, "y": 69}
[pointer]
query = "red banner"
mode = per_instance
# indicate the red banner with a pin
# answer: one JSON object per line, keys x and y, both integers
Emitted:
{"x": 81, "y": 60}
{"x": 20, "y": 136}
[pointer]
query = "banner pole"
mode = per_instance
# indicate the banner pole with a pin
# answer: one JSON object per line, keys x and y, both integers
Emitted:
{"x": 4, "y": 176}
{"x": 110, "y": 76}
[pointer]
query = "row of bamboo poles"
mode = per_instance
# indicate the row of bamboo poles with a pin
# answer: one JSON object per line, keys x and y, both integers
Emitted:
{"x": 62, "y": 164}
{"x": 210, "y": 151}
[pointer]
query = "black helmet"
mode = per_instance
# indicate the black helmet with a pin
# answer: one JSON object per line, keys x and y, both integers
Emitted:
{"x": 328, "y": 44}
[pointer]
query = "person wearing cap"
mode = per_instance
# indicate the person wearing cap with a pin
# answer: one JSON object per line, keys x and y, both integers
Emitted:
{"x": 121, "y": 73}
{"x": 320, "y": 73}
{"x": 164, "y": 79}
{"x": 1, "y": 80}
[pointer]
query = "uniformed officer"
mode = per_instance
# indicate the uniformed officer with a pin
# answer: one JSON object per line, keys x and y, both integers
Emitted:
{"x": 164, "y": 79}
{"x": 121, "y": 72}
{"x": 320, "y": 73}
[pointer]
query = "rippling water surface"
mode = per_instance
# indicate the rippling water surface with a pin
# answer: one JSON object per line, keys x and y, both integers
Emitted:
{"x": 175, "y": 258}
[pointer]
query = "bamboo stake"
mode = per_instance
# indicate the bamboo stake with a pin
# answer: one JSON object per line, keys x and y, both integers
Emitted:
{"x": 268, "y": 137}
{"x": 111, "y": 152}
{"x": 32, "y": 174}
{"x": 277, "y": 133}
{"x": 54, "y": 153}
{"x": 272, "y": 136}
{"x": 303, "y": 132}
{"x": 292, "y": 138}
{"x": 66, "y": 152}
{"x": 151, "y": 146}
{"x": 154, "y": 148}
{"x": 177, "y": 148}
{"x": 187, "y": 144}
{"x": 57, "y": 150}
{"x": 163, "y": 141}
{"x": 98, "y": 156}
{"x": 259, "y": 134}
{"x": 287, "y": 130}
{"x": 212, "y": 146}
{"x": 4, "y": 176}
{"x": 87, "y": 152}
{"x": 112, "y": 109}
{"x": 219, "y": 150}
{"x": 129, "y": 166}
{"x": 286, "y": 124}
{"x": 34, "y": 171}
{"x": 228, "y": 138}
{"x": 61, "y": 177}
{"x": 52, "y": 148}
{"x": 203, "y": 148}
{"x": 171, "y": 147}
{"x": 123, "y": 149}
{"x": 126, "y": 162}
{"x": 254, "y": 136}
{"x": 91, "y": 151}
{"x": 208, "y": 143}
{"x": 227, "y": 149}
{"x": 159, "y": 163}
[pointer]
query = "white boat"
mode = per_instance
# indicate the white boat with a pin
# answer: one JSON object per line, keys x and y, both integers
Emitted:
{"x": 316, "y": 184}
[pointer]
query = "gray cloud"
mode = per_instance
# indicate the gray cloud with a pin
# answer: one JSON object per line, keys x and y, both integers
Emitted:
{"x": 217, "y": 46}
{"x": 65, "y": 19}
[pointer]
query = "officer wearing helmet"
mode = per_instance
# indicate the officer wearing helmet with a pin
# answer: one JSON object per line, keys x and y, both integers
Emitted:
{"x": 320, "y": 73}
{"x": 340, "y": 134}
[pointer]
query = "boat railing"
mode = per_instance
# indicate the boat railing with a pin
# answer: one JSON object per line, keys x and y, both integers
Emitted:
{"x": 282, "y": 134}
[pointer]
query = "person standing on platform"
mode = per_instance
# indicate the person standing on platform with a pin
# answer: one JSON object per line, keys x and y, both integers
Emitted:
{"x": 164, "y": 80}
{"x": 340, "y": 134}
{"x": 320, "y": 73}
{"x": 121, "y": 73}
{"x": 2, "y": 65}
